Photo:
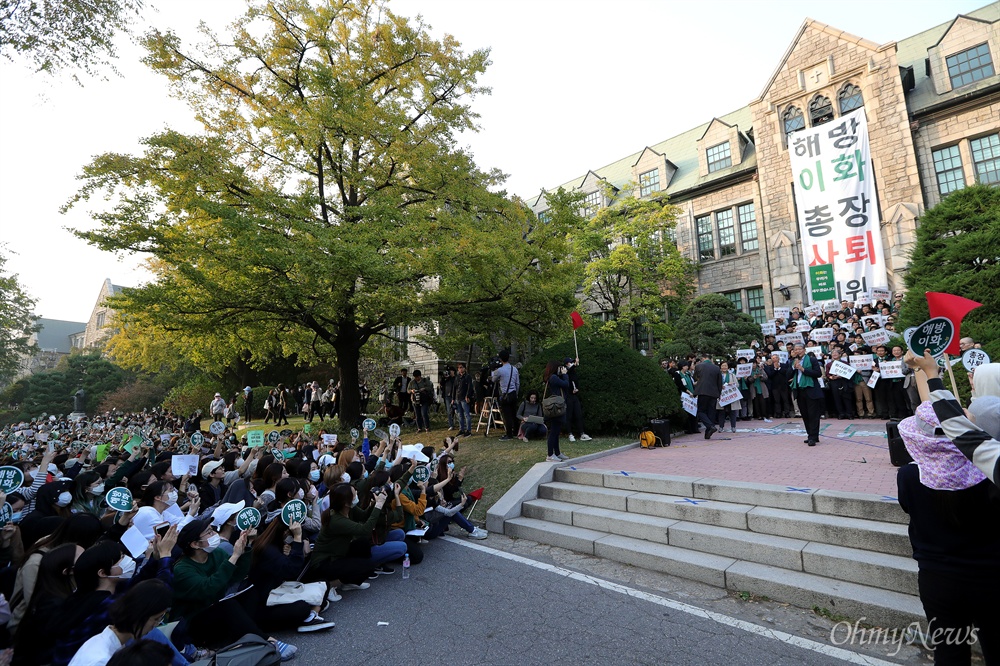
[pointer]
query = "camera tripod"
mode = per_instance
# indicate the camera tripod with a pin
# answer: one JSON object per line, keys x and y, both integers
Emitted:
{"x": 491, "y": 411}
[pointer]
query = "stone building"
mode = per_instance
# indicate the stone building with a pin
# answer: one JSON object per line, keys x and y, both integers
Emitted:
{"x": 98, "y": 328}
{"x": 932, "y": 103}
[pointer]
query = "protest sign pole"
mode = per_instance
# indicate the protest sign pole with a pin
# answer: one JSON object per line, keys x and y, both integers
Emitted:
{"x": 954, "y": 386}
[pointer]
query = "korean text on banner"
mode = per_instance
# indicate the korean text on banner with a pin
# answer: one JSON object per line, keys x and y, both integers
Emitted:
{"x": 743, "y": 370}
{"x": 842, "y": 370}
{"x": 861, "y": 361}
{"x": 873, "y": 380}
{"x": 821, "y": 334}
{"x": 730, "y": 394}
{"x": 891, "y": 369}
{"x": 748, "y": 354}
{"x": 690, "y": 404}
{"x": 836, "y": 204}
{"x": 877, "y": 337}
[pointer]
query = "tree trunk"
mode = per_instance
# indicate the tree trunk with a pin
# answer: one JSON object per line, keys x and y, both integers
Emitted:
{"x": 348, "y": 358}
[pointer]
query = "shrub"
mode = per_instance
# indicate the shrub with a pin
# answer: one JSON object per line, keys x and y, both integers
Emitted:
{"x": 134, "y": 396}
{"x": 193, "y": 394}
{"x": 620, "y": 389}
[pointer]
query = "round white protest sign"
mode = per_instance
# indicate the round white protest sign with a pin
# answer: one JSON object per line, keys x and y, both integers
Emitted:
{"x": 197, "y": 439}
{"x": 369, "y": 424}
{"x": 908, "y": 333}
{"x": 394, "y": 429}
{"x": 973, "y": 358}
{"x": 273, "y": 436}
{"x": 354, "y": 433}
{"x": 217, "y": 428}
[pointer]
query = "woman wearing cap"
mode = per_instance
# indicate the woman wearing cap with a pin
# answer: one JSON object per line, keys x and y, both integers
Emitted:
{"x": 949, "y": 502}
{"x": 211, "y": 490}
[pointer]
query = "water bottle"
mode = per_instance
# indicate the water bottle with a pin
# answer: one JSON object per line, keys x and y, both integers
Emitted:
{"x": 406, "y": 566}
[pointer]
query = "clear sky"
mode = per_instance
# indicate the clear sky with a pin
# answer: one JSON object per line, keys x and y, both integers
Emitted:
{"x": 577, "y": 84}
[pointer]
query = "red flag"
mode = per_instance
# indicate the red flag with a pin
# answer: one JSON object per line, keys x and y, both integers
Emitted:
{"x": 577, "y": 320}
{"x": 476, "y": 494}
{"x": 954, "y": 308}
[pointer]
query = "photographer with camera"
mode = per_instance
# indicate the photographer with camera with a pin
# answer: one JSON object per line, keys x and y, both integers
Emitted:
{"x": 508, "y": 381}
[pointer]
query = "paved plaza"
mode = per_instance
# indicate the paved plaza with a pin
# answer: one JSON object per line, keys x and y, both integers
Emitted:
{"x": 852, "y": 456}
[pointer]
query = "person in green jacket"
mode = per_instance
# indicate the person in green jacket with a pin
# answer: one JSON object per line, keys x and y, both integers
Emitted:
{"x": 202, "y": 577}
{"x": 343, "y": 553}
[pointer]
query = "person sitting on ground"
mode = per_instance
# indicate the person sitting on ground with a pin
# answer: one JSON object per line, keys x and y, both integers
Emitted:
{"x": 447, "y": 486}
{"x": 531, "y": 418}
{"x": 133, "y": 616}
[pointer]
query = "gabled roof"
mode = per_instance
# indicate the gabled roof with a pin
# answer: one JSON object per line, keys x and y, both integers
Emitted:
{"x": 54, "y": 334}
{"x": 586, "y": 176}
{"x": 645, "y": 150}
{"x": 822, "y": 27}
{"x": 709, "y": 126}
{"x": 912, "y": 52}
{"x": 954, "y": 21}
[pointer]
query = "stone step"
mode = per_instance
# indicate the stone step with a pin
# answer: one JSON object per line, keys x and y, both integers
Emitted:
{"x": 890, "y": 572}
{"x": 890, "y": 538}
{"x": 878, "y": 536}
{"x": 830, "y": 502}
{"x": 880, "y": 607}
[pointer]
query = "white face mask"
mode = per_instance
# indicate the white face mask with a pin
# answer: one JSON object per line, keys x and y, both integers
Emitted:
{"x": 355, "y": 501}
{"x": 128, "y": 568}
{"x": 213, "y": 543}
{"x": 346, "y": 478}
{"x": 97, "y": 490}
{"x": 64, "y": 499}
{"x": 171, "y": 497}
{"x": 301, "y": 494}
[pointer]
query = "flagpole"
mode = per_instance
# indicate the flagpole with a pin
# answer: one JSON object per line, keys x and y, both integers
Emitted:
{"x": 577, "y": 348}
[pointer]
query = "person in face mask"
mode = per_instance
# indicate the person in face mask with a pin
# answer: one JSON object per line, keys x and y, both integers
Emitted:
{"x": 88, "y": 494}
{"x": 159, "y": 500}
{"x": 201, "y": 578}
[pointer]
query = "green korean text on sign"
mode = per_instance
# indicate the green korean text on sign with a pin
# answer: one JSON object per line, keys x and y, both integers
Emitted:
{"x": 255, "y": 438}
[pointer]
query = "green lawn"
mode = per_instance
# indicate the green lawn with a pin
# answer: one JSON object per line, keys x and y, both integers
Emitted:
{"x": 492, "y": 464}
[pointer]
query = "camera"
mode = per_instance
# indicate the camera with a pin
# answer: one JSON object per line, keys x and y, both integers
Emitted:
{"x": 495, "y": 364}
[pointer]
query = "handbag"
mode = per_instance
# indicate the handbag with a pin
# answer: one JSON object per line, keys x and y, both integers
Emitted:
{"x": 291, "y": 591}
{"x": 553, "y": 406}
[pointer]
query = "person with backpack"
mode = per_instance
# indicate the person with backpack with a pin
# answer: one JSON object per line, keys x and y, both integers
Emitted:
{"x": 269, "y": 405}
{"x": 556, "y": 384}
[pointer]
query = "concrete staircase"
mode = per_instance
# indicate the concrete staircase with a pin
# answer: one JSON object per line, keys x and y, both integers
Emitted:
{"x": 845, "y": 552}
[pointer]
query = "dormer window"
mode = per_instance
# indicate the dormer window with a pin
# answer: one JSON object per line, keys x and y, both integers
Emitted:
{"x": 820, "y": 110}
{"x": 793, "y": 120}
{"x": 719, "y": 157}
{"x": 849, "y": 98}
{"x": 649, "y": 182}
{"x": 970, "y": 66}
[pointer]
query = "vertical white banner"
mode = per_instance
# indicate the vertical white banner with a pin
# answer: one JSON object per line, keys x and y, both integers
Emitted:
{"x": 836, "y": 203}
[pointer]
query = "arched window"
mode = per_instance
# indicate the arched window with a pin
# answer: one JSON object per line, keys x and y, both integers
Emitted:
{"x": 849, "y": 98}
{"x": 793, "y": 120}
{"x": 820, "y": 111}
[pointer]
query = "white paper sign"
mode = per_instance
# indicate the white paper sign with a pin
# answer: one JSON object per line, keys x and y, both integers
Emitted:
{"x": 181, "y": 465}
{"x": 782, "y": 313}
{"x": 329, "y": 439}
{"x": 815, "y": 351}
{"x": 822, "y": 334}
{"x": 831, "y": 306}
{"x": 134, "y": 542}
{"x": 880, "y": 294}
{"x": 782, "y": 356}
{"x": 842, "y": 370}
{"x": 802, "y": 326}
{"x": 835, "y": 200}
{"x": 743, "y": 370}
{"x": 769, "y": 328}
{"x": 748, "y": 354}
{"x": 730, "y": 394}
{"x": 873, "y": 380}
{"x": 690, "y": 404}
{"x": 394, "y": 429}
{"x": 791, "y": 338}
{"x": 973, "y": 358}
{"x": 861, "y": 361}
{"x": 876, "y": 337}
{"x": 891, "y": 369}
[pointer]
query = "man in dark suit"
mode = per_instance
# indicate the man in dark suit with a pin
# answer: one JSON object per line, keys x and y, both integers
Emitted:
{"x": 805, "y": 374}
{"x": 707, "y": 388}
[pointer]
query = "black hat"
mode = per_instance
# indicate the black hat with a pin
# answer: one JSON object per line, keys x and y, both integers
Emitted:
{"x": 192, "y": 532}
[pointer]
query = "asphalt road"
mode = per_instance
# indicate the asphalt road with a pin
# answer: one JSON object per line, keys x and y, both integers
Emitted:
{"x": 465, "y": 605}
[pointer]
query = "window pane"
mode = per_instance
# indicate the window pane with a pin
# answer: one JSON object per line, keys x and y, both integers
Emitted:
{"x": 948, "y": 167}
{"x": 970, "y": 66}
{"x": 719, "y": 157}
{"x": 820, "y": 111}
{"x": 706, "y": 242}
{"x": 591, "y": 204}
{"x": 755, "y": 299}
{"x": 850, "y": 98}
{"x": 986, "y": 157}
{"x": 727, "y": 233}
{"x": 748, "y": 227}
{"x": 735, "y": 298}
{"x": 794, "y": 120}
{"x": 649, "y": 182}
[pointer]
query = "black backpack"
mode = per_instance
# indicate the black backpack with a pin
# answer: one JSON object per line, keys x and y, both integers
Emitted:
{"x": 251, "y": 650}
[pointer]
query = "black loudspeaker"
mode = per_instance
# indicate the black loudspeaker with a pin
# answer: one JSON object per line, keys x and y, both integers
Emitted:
{"x": 661, "y": 428}
{"x": 898, "y": 455}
